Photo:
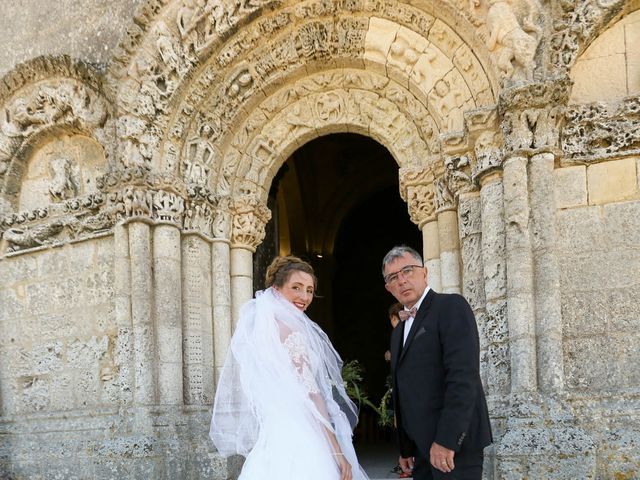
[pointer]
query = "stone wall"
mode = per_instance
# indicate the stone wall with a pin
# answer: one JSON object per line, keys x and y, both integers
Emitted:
{"x": 60, "y": 348}
{"x": 598, "y": 223}
{"x": 85, "y": 29}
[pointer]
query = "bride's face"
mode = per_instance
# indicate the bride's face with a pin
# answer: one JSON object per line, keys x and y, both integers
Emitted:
{"x": 298, "y": 289}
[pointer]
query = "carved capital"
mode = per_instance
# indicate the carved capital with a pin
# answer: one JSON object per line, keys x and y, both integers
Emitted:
{"x": 532, "y": 115}
{"x": 250, "y": 217}
{"x": 418, "y": 190}
{"x": 455, "y": 180}
{"x": 488, "y": 155}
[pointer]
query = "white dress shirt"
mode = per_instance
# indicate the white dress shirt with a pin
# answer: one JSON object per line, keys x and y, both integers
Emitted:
{"x": 409, "y": 321}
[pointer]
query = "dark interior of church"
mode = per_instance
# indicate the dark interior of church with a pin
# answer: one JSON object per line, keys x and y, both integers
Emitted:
{"x": 327, "y": 211}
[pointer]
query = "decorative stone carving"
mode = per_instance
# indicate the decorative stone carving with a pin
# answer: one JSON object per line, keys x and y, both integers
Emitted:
{"x": 168, "y": 206}
{"x": 488, "y": 155}
{"x": 418, "y": 190}
{"x": 60, "y": 222}
{"x": 532, "y": 114}
{"x": 64, "y": 181}
{"x": 221, "y": 227}
{"x": 198, "y": 158}
{"x": 63, "y": 101}
{"x": 597, "y": 130}
{"x": 575, "y": 24}
{"x": 35, "y": 236}
{"x": 250, "y": 216}
{"x": 513, "y": 40}
{"x": 455, "y": 181}
{"x": 447, "y": 100}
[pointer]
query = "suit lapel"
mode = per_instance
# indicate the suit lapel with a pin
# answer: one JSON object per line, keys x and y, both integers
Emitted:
{"x": 417, "y": 322}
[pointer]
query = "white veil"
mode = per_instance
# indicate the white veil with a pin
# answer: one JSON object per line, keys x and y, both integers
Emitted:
{"x": 280, "y": 365}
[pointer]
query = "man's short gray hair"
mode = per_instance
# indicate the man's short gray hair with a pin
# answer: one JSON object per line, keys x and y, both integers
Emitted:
{"x": 397, "y": 252}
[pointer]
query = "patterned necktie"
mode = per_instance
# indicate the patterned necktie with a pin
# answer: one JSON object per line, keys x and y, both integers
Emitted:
{"x": 405, "y": 314}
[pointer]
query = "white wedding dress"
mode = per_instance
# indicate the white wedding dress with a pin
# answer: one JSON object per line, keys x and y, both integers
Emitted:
{"x": 279, "y": 394}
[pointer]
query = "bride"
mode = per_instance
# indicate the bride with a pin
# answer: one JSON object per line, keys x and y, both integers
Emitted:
{"x": 281, "y": 400}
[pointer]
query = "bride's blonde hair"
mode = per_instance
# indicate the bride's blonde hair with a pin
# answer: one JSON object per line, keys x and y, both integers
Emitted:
{"x": 282, "y": 267}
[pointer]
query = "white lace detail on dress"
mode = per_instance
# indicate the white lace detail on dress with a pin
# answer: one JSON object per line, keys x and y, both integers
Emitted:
{"x": 295, "y": 346}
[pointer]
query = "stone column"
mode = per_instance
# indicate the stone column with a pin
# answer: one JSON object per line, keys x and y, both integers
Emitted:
{"x": 495, "y": 283}
{"x": 122, "y": 300}
{"x": 168, "y": 312}
{"x": 431, "y": 252}
{"x": 546, "y": 274}
{"x": 250, "y": 216}
{"x": 469, "y": 219}
{"x": 520, "y": 304}
{"x": 197, "y": 331}
{"x": 144, "y": 392}
{"x": 449, "y": 251}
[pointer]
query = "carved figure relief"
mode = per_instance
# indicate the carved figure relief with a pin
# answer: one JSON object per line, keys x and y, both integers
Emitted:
{"x": 455, "y": 180}
{"x": 198, "y": 216}
{"x": 166, "y": 47}
{"x": 198, "y": 158}
{"x": 64, "y": 182}
{"x": 312, "y": 40}
{"x": 487, "y": 152}
{"x": 137, "y": 202}
{"x": 167, "y": 206}
{"x": 513, "y": 42}
{"x": 447, "y": 99}
{"x": 329, "y": 107}
{"x": 50, "y": 104}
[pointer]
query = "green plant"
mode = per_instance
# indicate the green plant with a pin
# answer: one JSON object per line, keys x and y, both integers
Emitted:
{"x": 384, "y": 410}
{"x": 352, "y": 373}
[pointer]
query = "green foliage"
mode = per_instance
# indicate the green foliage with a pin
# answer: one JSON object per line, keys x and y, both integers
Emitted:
{"x": 352, "y": 376}
{"x": 384, "y": 410}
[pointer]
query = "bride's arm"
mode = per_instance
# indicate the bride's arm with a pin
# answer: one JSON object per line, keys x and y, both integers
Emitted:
{"x": 295, "y": 345}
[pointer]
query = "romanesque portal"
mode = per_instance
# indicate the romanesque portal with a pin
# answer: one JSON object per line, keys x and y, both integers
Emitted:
{"x": 133, "y": 195}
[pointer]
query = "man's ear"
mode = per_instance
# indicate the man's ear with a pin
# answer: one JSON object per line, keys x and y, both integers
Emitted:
{"x": 387, "y": 287}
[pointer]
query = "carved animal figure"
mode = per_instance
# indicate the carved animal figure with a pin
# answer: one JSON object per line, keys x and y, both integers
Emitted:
{"x": 20, "y": 238}
{"x": 517, "y": 45}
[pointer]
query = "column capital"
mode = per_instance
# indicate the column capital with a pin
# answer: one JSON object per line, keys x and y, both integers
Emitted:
{"x": 532, "y": 114}
{"x": 250, "y": 216}
{"x": 456, "y": 179}
{"x": 417, "y": 188}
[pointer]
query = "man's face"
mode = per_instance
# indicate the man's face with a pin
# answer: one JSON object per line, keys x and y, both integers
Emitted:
{"x": 408, "y": 284}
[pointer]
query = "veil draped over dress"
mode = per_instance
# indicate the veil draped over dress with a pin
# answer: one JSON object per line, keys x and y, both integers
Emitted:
{"x": 279, "y": 393}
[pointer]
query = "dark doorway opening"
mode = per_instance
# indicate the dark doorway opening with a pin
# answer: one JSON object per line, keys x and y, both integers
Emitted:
{"x": 336, "y": 203}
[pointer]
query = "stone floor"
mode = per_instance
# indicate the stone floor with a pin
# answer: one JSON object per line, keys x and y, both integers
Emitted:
{"x": 378, "y": 459}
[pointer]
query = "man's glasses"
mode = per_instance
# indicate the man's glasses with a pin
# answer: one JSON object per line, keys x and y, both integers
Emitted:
{"x": 406, "y": 272}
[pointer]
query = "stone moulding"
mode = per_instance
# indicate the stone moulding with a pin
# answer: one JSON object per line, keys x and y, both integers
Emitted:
{"x": 598, "y": 131}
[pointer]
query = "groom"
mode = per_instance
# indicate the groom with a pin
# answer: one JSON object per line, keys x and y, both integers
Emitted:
{"x": 441, "y": 412}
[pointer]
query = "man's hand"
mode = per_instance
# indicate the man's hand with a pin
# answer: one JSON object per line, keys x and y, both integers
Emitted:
{"x": 406, "y": 464}
{"x": 441, "y": 458}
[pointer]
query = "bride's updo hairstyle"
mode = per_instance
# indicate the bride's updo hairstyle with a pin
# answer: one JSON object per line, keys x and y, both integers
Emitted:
{"x": 282, "y": 267}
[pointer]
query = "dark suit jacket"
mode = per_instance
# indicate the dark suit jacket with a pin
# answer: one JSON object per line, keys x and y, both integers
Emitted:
{"x": 437, "y": 389}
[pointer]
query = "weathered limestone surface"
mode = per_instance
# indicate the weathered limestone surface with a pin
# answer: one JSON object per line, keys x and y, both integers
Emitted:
{"x": 138, "y": 143}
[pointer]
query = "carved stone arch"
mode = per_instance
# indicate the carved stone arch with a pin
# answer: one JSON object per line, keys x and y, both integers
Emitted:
{"x": 577, "y": 25}
{"x": 41, "y": 99}
{"x": 253, "y": 157}
{"x": 159, "y": 100}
